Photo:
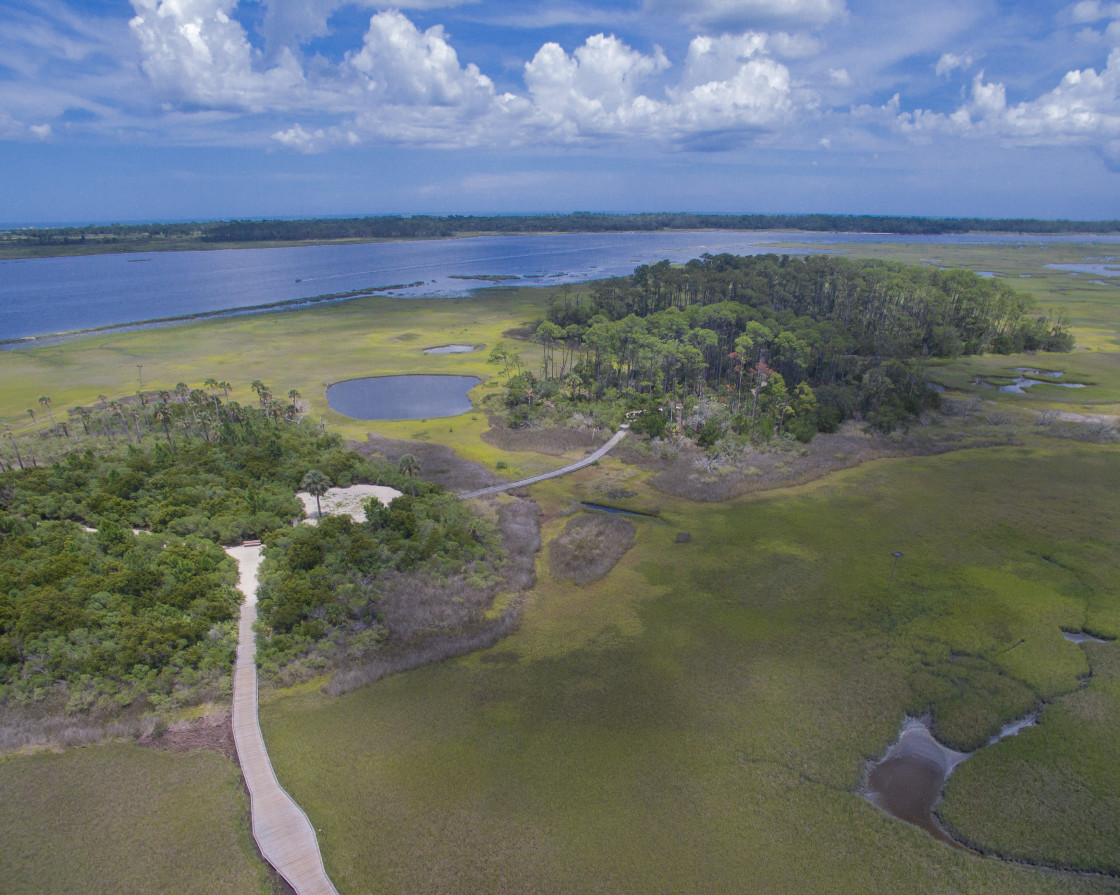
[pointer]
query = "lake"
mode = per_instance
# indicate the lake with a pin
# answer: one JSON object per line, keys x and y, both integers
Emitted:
{"x": 414, "y": 397}
{"x": 51, "y": 295}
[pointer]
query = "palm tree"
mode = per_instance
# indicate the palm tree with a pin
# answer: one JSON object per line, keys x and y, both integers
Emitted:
{"x": 163, "y": 414}
{"x": 15, "y": 447}
{"x": 410, "y": 466}
{"x": 115, "y": 406}
{"x": 262, "y": 390}
{"x": 31, "y": 413}
{"x": 46, "y": 402}
{"x": 316, "y": 484}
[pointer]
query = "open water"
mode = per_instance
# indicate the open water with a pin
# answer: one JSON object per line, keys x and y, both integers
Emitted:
{"x": 53, "y": 295}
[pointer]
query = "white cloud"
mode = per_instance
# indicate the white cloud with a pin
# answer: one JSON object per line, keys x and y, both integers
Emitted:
{"x": 1084, "y": 109}
{"x": 730, "y": 82}
{"x": 291, "y": 23}
{"x": 318, "y": 140}
{"x": 1094, "y": 11}
{"x": 840, "y": 77}
{"x": 40, "y": 131}
{"x": 401, "y": 64}
{"x": 950, "y": 62}
{"x": 193, "y": 49}
{"x": 596, "y": 89}
{"x": 728, "y": 85}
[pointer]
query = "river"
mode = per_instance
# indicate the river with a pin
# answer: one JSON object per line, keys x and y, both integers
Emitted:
{"x": 52, "y": 295}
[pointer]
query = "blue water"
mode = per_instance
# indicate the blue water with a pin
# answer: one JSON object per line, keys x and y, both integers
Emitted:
{"x": 52, "y": 295}
{"x": 416, "y": 397}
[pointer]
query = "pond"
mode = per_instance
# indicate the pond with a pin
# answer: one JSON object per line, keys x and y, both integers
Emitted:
{"x": 450, "y": 349}
{"x": 413, "y": 397}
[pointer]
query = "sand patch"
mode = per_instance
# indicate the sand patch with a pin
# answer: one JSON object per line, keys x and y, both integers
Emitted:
{"x": 346, "y": 501}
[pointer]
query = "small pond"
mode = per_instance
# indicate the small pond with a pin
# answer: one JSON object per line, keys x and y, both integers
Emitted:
{"x": 413, "y": 397}
{"x": 450, "y": 349}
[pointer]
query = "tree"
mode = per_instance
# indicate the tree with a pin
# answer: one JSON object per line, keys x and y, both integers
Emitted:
{"x": 316, "y": 484}
{"x": 46, "y": 402}
{"x": 164, "y": 415}
{"x": 31, "y": 413}
{"x": 410, "y": 466}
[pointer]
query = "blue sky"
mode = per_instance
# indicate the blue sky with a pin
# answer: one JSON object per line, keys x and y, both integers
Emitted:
{"x": 199, "y": 109}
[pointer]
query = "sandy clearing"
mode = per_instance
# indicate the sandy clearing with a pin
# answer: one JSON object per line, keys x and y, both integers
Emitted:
{"x": 346, "y": 501}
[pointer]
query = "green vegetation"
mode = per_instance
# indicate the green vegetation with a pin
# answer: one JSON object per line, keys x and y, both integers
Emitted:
{"x": 106, "y": 620}
{"x": 757, "y": 346}
{"x": 221, "y": 234}
{"x": 128, "y": 820}
{"x": 321, "y": 586}
{"x": 702, "y": 715}
{"x": 90, "y": 622}
{"x": 698, "y": 719}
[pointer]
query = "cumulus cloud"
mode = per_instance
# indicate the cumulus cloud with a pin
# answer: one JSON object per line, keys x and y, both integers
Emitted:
{"x": 1083, "y": 109}
{"x": 401, "y": 64}
{"x": 596, "y": 90}
{"x": 605, "y": 88}
{"x": 195, "y": 50}
{"x": 291, "y": 23}
{"x": 408, "y": 85}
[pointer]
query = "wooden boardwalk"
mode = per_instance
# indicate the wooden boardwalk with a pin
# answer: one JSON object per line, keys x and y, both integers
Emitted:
{"x": 563, "y": 470}
{"x": 283, "y": 833}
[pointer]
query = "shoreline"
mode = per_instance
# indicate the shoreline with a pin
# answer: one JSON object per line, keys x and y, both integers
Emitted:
{"x": 289, "y": 304}
{"x": 9, "y": 252}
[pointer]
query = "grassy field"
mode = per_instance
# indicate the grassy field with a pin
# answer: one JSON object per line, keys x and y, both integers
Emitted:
{"x": 124, "y": 819}
{"x": 699, "y": 719}
{"x": 702, "y": 716}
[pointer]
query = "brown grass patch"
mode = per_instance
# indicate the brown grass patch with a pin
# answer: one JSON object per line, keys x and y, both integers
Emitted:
{"x": 213, "y": 732}
{"x": 555, "y": 441}
{"x": 589, "y": 547}
{"x": 684, "y": 470}
{"x": 430, "y": 619}
{"x": 438, "y": 462}
{"x": 523, "y": 332}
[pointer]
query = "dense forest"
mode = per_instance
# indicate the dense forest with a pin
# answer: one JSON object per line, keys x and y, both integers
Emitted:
{"x": 114, "y": 590}
{"x": 767, "y": 345}
{"x": 201, "y": 234}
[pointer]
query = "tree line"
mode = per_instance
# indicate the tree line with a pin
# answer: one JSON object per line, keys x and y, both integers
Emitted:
{"x": 769, "y": 344}
{"x": 433, "y": 226}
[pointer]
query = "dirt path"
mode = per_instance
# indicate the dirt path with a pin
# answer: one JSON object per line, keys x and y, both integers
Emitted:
{"x": 563, "y": 470}
{"x": 283, "y": 833}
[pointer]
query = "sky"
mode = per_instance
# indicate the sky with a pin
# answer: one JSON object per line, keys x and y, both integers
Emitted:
{"x": 159, "y": 110}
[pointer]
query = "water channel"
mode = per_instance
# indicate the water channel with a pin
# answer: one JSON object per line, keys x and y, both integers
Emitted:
{"x": 52, "y": 295}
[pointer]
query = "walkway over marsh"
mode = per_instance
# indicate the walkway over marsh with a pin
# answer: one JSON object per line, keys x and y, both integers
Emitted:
{"x": 563, "y": 470}
{"x": 283, "y": 833}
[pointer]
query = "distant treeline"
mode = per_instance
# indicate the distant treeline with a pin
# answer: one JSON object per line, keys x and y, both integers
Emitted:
{"x": 427, "y": 226}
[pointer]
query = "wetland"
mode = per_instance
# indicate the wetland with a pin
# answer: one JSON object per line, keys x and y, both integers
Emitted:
{"x": 698, "y": 715}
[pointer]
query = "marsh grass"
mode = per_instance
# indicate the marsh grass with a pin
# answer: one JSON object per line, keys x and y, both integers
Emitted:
{"x": 1050, "y": 795}
{"x": 694, "y": 722}
{"x": 122, "y": 819}
{"x": 589, "y": 547}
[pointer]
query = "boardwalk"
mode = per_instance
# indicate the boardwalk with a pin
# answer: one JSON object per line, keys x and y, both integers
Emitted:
{"x": 283, "y": 832}
{"x": 563, "y": 470}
